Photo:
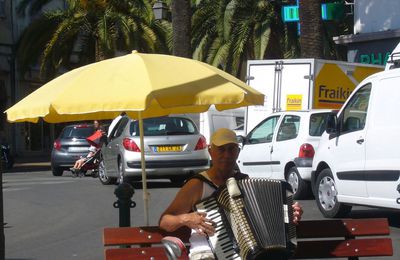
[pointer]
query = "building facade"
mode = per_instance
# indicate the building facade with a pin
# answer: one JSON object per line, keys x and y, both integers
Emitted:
{"x": 376, "y": 31}
{"x": 25, "y": 138}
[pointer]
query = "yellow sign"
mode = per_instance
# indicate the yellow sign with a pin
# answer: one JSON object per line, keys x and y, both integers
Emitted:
{"x": 333, "y": 86}
{"x": 169, "y": 148}
{"x": 293, "y": 102}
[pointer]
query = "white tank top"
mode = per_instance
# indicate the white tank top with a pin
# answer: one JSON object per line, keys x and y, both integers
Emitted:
{"x": 199, "y": 242}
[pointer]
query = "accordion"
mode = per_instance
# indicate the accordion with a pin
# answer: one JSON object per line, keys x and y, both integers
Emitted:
{"x": 253, "y": 219}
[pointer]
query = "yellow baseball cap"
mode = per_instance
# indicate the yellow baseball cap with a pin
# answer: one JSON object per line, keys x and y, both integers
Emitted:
{"x": 223, "y": 136}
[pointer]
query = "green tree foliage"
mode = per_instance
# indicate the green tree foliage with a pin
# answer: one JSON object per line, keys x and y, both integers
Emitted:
{"x": 224, "y": 33}
{"x": 316, "y": 38}
{"x": 88, "y": 31}
{"x": 228, "y": 33}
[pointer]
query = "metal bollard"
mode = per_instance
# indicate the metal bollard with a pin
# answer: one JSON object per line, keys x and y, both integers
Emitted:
{"x": 124, "y": 193}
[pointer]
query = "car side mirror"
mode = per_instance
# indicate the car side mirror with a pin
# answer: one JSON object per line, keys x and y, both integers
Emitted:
{"x": 332, "y": 124}
{"x": 240, "y": 139}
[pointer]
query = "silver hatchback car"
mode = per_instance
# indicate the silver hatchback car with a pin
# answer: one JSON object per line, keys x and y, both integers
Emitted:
{"x": 173, "y": 147}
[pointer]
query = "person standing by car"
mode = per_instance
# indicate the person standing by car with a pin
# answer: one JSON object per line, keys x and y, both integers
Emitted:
{"x": 95, "y": 140}
{"x": 224, "y": 150}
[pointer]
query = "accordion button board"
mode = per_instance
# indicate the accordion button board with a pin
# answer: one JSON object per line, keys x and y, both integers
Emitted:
{"x": 221, "y": 242}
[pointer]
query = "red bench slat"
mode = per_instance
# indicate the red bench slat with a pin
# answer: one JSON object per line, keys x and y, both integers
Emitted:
{"x": 140, "y": 235}
{"x": 138, "y": 253}
{"x": 344, "y": 248}
{"x": 313, "y": 240}
{"x": 342, "y": 228}
{"x": 157, "y": 253}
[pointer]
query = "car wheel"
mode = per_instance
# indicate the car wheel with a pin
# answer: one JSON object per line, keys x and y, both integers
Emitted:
{"x": 104, "y": 179}
{"x": 327, "y": 196}
{"x": 300, "y": 187}
{"x": 57, "y": 171}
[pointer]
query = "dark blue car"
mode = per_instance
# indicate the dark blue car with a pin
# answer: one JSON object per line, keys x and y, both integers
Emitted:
{"x": 69, "y": 147}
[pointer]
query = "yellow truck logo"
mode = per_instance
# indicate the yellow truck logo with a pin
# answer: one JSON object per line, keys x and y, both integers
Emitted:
{"x": 333, "y": 86}
{"x": 293, "y": 102}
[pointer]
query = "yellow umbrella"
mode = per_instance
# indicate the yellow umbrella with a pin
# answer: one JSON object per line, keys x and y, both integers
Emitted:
{"x": 142, "y": 85}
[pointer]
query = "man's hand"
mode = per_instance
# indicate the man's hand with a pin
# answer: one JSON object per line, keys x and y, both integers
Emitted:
{"x": 199, "y": 222}
{"x": 297, "y": 212}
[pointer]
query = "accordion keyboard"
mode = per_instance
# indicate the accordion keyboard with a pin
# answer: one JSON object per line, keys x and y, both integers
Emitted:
{"x": 220, "y": 242}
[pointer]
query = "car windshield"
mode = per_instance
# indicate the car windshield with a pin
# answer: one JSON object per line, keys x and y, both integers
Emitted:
{"x": 318, "y": 123}
{"x": 80, "y": 132}
{"x": 164, "y": 126}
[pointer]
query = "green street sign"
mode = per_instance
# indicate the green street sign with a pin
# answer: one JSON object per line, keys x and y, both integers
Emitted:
{"x": 329, "y": 11}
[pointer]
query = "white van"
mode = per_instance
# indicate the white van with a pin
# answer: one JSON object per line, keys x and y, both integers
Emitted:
{"x": 282, "y": 147}
{"x": 358, "y": 158}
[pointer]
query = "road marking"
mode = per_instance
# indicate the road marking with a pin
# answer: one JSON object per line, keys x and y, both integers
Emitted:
{"x": 35, "y": 183}
{"x": 15, "y": 189}
{"x": 33, "y": 179}
{"x": 18, "y": 184}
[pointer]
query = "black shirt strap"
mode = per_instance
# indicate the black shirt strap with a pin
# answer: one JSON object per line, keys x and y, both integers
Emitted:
{"x": 238, "y": 176}
{"x": 204, "y": 179}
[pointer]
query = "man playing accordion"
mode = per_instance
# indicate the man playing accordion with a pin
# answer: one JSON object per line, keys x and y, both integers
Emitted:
{"x": 224, "y": 151}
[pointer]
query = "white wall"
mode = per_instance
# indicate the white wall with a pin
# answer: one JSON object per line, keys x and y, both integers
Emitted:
{"x": 376, "y": 15}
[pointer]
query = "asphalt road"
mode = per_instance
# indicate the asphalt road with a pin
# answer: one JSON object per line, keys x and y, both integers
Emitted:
{"x": 63, "y": 217}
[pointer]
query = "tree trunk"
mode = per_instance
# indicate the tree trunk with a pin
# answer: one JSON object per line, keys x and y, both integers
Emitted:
{"x": 181, "y": 24}
{"x": 98, "y": 52}
{"x": 275, "y": 49}
{"x": 310, "y": 29}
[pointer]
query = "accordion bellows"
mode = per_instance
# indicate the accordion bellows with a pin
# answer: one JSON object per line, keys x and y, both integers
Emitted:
{"x": 253, "y": 219}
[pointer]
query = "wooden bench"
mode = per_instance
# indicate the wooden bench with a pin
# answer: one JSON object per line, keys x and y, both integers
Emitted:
{"x": 350, "y": 238}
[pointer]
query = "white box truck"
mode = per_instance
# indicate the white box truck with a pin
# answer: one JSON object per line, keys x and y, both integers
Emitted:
{"x": 301, "y": 84}
{"x": 208, "y": 122}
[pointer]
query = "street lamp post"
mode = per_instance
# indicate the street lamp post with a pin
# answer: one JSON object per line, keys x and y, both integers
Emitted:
{"x": 181, "y": 15}
{"x": 160, "y": 10}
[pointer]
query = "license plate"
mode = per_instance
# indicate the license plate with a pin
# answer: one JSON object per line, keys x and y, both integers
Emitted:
{"x": 78, "y": 149}
{"x": 168, "y": 148}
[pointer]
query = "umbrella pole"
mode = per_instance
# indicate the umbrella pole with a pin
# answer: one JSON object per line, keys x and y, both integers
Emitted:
{"x": 144, "y": 179}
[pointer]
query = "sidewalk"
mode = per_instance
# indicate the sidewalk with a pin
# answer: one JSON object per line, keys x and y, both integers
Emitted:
{"x": 31, "y": 163}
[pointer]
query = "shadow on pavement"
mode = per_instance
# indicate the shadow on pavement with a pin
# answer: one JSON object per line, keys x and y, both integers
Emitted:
{"x": 28, "y": 168}
{"x": 156, "y": 184}
{"x": 30, "y": 164}
{"x": 393, "y": 216}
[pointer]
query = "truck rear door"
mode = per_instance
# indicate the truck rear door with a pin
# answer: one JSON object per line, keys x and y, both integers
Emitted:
{"x": 286, "y": 85}
{"x": 294, "y": 91}
{"x": 261, "y": 76}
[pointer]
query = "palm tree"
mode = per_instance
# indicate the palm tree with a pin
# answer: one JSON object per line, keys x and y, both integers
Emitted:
{"x": 181, "y": 24}
{"x": 226, "y": 33}
{"x": 311, "y": 29}
{"x": 211, "y": 31}
{"x": 88, "y": 31}
{"x": 332, "y": 28}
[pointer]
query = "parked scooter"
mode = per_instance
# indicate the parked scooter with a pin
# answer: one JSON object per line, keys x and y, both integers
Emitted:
{"x": 7, "y": 159}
